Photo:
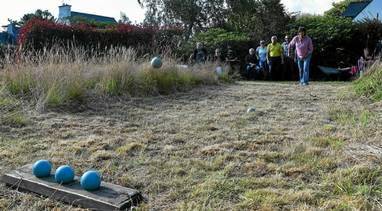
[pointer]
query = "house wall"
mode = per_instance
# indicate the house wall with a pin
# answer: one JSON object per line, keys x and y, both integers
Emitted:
{"x": 373, "y": 10}
{"x": 64, "y": 13}
{"x": 11, "y": 30}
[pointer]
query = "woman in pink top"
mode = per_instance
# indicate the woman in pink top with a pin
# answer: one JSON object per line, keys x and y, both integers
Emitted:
{"x": 304, "y": 49}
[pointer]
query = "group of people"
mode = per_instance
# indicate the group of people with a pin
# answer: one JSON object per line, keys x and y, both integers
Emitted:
{"x": 277, "y": 61}
{"x": 274, "y": 61}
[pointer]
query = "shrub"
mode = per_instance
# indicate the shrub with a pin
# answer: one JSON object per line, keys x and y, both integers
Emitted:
{"x": 38, "y": 34}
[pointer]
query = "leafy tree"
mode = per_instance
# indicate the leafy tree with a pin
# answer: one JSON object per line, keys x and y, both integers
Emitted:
{"x": 46, "y": 15}
{"x": 371, "y": 32}
{"x": 187, "y": 13}
{"x": 259, "y": 17}
{"x": 124, "y": 18}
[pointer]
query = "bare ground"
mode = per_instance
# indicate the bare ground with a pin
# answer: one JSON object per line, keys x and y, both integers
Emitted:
{"x": 303, "y": 148}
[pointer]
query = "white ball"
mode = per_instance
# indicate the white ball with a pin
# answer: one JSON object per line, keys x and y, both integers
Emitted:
{"x": 251, "y": 109}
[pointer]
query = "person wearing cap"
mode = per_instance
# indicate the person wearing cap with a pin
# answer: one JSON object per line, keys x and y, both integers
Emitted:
{"x": 261, "y": 54}
{"x": 285, "y": 45}
{"x": 275, "y": 58}
{"x": 304, "y": 49}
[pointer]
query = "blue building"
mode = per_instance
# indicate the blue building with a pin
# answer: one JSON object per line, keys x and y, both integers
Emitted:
{"x": 10, "y": 34}
{"x": 65, "y": 15}
{"x": 361, "y": 10}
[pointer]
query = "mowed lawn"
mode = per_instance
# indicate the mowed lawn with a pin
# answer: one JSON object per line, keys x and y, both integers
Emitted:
{"x": 303, "y": 147}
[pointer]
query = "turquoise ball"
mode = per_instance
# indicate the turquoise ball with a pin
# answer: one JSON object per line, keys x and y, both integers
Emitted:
{"x": 91, "y": 180}
{"x": 42, "y": 168}
{"x": 156, "y": 62}
{"x": 64, "y": 174}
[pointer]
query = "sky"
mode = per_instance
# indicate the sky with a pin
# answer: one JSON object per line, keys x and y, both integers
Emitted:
{"x": 15, "y": 9}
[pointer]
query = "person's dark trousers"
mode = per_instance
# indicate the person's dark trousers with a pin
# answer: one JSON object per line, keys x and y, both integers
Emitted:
{"x": 275, "y": 67}
{"x": 250, "y": 71}
{"x": 290, "y": 70}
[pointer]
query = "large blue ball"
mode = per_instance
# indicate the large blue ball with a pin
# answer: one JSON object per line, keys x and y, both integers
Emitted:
{"x": 42, "y": 168}
{"x": 156, "y": 62}
{"x": 64, "y": 174}
{"x": 91, "y": 180}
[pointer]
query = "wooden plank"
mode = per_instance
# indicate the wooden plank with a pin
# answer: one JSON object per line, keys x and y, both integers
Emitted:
{"x": 108, "y": 197}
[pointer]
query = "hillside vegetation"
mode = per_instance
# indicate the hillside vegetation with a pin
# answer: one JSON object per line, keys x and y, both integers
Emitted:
{"x": 371, "y": 84}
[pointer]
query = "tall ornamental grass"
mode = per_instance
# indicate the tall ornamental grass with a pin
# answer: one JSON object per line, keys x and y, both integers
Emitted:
{"x": 56, "y": 77}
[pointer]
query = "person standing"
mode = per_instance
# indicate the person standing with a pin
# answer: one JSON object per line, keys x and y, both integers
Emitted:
{"x": 290, "y": 69}
{"x": 233, "y": 63}
{"x": 200, "y": 54}
{"x": 275, "y": 58}
{"x": 261, "y": 54}
{"x": 304, "y": 49}
{"x": 218, "y": 59}
{"x": 285, "y": 45}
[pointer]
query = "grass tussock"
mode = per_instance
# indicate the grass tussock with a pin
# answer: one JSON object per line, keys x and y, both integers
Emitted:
{"x": 371, "y": 84}
{"x": 56, "y": 77}
{"x": 11, "y": 111}
{"x": 348, "y": 116}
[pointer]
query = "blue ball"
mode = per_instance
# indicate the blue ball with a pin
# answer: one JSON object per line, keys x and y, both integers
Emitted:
{"x": 64, "y": 174}
{"x": 156, "y": 62}
{"x": 42, "y": 168}
{"x": 91, "y": 180}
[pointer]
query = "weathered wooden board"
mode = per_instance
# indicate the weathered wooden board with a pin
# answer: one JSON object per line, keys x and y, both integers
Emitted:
{"x": 108, "y": 197}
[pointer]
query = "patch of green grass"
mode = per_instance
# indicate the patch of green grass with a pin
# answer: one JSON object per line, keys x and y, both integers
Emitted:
{"x": 76, "y": 91}
{"x": 329, "y": 128}
{"x": 271, "y": 199}
{"x": 7, "y": 102}
{"x": 55, "y": 96}
{"x": 129, "y": 148}
{"x": 366, "y": 117}
{"x": 60, "y": 94}
{"x": 357, "y": 187}
{"x": 363, "y": 181}
{"x": 20, "y": 83}
{"x": 216, "y": 187}
{"x": 328, "y": 141}
{"x": 350, "y": 117}
{"x": 343, "y": 116}
{"x": 371, "y": 84}
{"x": 16, "y": 119}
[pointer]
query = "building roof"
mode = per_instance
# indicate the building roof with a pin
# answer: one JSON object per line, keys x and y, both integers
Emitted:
{"x": 355, "y": 8}
{"x": 97, "y": 18}
{"x": 3, "y": 37}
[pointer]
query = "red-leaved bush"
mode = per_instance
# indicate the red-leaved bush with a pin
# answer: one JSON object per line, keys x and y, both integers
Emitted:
{"x": 38, "y": 34}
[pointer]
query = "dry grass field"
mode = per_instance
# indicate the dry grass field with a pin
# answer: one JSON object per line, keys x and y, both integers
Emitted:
{"x": 303, "y": 148}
